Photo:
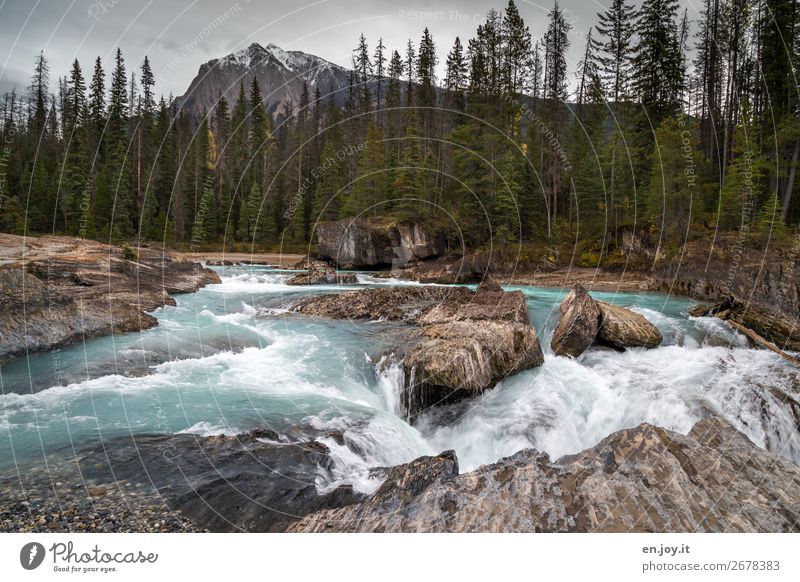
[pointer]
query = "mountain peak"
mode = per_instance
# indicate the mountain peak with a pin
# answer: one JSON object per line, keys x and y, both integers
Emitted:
{"x": 280, "y": 73}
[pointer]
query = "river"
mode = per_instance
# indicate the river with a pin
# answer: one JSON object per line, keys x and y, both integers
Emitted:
{"x": 231, "y": 358}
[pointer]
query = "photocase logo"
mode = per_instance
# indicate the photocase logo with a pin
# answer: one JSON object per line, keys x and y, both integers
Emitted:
{"x": 31, "y": 555}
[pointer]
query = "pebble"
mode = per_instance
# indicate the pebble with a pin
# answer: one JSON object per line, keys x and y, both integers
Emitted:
{"x": 119, "y": 508}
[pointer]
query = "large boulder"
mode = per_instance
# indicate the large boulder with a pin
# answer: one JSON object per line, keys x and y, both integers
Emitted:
{"x": 622, "y": 328}
{"x": 463, "y": 358}
{"x": 354, "y": 244}
{"x": 585, "y": 321}
{"x": 459, "y": 343}
{"x": 357, "y": 243}
{"x": 578, "y": 325}
{"x": 416, "y": 242}
{"x": 643, "y": 479}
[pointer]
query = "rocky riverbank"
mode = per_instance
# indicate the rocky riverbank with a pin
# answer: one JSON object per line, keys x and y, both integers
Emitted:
{"x": 58, "y": 290}
{"x": 110, "y": 508}
{"x": 645, "y": 479}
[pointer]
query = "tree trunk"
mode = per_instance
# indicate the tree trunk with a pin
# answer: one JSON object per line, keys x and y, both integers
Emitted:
{"x": 787, "y": 197}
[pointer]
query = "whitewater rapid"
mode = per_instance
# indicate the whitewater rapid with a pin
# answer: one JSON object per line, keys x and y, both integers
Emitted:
{"x": 231, "y": 358}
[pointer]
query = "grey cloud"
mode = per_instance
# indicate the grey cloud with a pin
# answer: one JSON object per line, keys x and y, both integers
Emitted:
{"x": 195, "y": 31}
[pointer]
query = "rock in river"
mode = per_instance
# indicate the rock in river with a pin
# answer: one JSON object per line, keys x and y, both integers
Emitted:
{"x": 461, "y": 342}
{"x": 645, "y": 479}
{"x": 622, "y": 328}
{"x": 585, "y": 321}
{"x": 578, "y": 325}
{"x": 315, "y": 272}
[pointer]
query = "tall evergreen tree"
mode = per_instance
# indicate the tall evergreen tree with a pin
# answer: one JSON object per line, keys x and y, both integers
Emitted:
{"x": 658, "y": 61}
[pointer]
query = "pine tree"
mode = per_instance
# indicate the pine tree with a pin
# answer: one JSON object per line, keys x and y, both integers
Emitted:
{"x": 238, "y": 149}
{"x": 555, "y": 87}
{"x": 114, "y": 213}
{"x": 506, "y": 219}
{"x": 455, "y": 79}
{"x": 768, "y": 223}
{"x": 363, "y": 68}
{"x": 369, "y": 189}
{"x": 537, "y": 70}
{"x": 426, "y": 70}
{"x": 474, "y": 189}
{"x": 97, "y": 115}
{"x": 744, "y": 178}
{"x": 224, "y": 195}
{"x": 408, "y": 184}
{"x": 409, "y": 65}
{"x": 39, "y": 93}
{"x": 260, "y": 136}
{"x": 616, "y": 27}
{"x": 516, "y": 51}
{"x": 658, "y": 61}
{"x": 380, "y": 71}
{"x": 75, "y": 170}
{"x": 331, "y": 178}
{"x": 164, "y": 174}
{"x": 145, "y": 202}
{"x": 674, "y": 196}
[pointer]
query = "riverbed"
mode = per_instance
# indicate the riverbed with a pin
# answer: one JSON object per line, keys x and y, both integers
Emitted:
{"x": 232, "y": 358}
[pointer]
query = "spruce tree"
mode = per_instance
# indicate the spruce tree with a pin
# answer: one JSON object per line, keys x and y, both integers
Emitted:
{"x": 658, "y": 61}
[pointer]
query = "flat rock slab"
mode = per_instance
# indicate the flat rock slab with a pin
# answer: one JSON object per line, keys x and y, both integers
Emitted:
{"x": 58, "y": 290}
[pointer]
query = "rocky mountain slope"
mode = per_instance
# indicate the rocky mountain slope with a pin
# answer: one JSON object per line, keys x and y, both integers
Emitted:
{"x": 280, "y": 74}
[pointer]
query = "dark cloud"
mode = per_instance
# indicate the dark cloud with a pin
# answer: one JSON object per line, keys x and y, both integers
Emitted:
{"x": 193, "y": 31}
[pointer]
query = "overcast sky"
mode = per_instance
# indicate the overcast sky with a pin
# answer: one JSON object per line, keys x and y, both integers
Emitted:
{"x": 180, "y": 35}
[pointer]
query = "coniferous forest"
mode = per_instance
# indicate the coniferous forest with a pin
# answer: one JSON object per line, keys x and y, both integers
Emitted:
{"x": 678, "y": 129}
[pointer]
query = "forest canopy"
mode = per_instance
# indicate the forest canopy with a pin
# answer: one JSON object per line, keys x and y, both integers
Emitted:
{"x": 671, "y": 127}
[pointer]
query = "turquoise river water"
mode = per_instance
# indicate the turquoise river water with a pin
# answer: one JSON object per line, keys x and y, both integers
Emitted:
{"x": 231, "y": 358}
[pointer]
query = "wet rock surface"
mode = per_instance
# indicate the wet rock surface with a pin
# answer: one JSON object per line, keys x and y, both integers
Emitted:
{"x": 645, "y": 479}
{"x": 323, "y": 277}
{"x": 783, "y": 332}
{"x": 182, "y": 482}
{"x": 578, "y": 325}
{"x": 406, "y": 304}
{"x": 622, "y": 328}
{"x": 58, "y": 290}
{"x": 462, "y": 342}
{"x": 317, "y": 272}
{"x": 585, "y": 321}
